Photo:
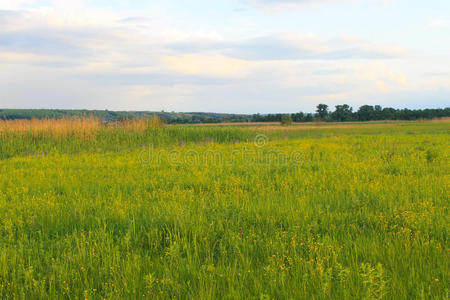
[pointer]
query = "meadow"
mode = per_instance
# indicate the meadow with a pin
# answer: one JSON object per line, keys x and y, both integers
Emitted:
{"x": 142, "y": 210}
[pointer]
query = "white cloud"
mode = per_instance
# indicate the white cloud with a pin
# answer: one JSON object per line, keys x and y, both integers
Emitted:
{"x": 438, "y": 24}
{"x": 277, "y": 5}
{"x": 295, "y": 47}
{"x": 14, "y": 4}
{"x": 217, "y": 65}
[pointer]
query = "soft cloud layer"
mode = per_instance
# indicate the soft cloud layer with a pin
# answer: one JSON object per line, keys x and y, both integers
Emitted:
{"x": 438, "y": 24}
{"x": 278, "y": 6}
{"x": 285, "y": 3}
{"x": 153, "y": 58}
{"x": 296, "y": 47}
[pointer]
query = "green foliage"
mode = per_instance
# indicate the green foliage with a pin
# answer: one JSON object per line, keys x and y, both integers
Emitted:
{"x": 342, "y": 113}
{"x": 322, "y": 111}
{"x": 85, "y": 221}
{"x": 286, "y": 120}
{"x": 374, "y": 281}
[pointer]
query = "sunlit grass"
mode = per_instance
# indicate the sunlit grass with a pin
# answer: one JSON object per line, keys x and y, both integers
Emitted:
{"x": 356, "y": 213}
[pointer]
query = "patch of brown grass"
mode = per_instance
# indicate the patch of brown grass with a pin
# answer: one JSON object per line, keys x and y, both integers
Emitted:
{"x": 63, "y": 128}
{"x": 441, "y": 120}
{"x": 86, "y": 128}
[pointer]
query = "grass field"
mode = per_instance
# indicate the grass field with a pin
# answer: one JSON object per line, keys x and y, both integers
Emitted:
{"x": 141, "y": 210}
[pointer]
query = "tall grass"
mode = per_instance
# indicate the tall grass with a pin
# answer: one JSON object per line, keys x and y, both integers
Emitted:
{"x": 42, "y": 137}
{"x": 354, "y": 216}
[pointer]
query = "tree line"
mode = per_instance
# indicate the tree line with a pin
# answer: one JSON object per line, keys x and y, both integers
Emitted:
{"x": 345, "y": 113}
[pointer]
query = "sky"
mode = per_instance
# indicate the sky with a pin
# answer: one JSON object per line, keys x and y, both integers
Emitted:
{"x": 231, "y": 56}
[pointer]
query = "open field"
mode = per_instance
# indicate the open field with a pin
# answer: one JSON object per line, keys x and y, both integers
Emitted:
{"x": 141, "y": 210}
{"x": 324, "y": 124}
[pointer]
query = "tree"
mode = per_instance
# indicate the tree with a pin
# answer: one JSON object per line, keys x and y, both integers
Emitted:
{"x": 389, "y": 113}
{"x": 378, "y": 113}
{"x": 366, "y": 113}
{"x": 309, "y": 117}
{"x": 342, "y": 113}
{"x": 298, "y": 117}
{"x": 286, "y": 120}
{"x": 322, "y": 111}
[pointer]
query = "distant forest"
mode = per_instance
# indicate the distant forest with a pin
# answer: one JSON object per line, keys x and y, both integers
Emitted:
{"x": 345, "y": 113}
{"x": 341, "y": 113}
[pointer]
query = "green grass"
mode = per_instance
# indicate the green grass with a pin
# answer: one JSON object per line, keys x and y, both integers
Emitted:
{"x": 356, "y": 213}
{"x": 115, "y": 139}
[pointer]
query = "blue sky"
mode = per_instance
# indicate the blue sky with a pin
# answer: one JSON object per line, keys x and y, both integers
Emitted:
{"x": 241, "y": 56}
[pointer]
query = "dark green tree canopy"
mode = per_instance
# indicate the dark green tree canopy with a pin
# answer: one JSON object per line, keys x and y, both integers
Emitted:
{"x": 322, "y": 111}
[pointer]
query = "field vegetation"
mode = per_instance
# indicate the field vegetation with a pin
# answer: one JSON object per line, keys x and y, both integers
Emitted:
{"x": 341, "y": 113}
{"x": 139, "y": 209}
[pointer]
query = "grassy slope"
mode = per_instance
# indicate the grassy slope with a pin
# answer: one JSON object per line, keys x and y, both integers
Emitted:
{"x": 358, "y": 213}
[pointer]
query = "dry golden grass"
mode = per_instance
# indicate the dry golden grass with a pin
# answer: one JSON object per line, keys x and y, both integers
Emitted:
{"x": 138, "y": 125}
{"x": 441, "y": 120}
{"x": 86, "y": 128}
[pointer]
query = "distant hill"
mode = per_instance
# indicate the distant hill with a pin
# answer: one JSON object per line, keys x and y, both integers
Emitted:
{"x": 107, "y": 115}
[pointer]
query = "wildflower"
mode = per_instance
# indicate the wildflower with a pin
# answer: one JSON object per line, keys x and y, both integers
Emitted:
{"x": 181, "y": 143}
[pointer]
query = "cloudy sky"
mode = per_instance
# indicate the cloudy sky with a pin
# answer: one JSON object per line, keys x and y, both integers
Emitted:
{"x": 242, "y": 56}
